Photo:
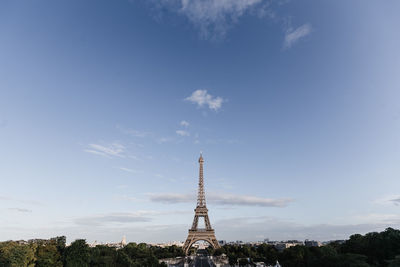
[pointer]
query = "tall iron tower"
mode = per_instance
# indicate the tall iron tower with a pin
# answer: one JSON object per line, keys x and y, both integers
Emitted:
{"x": 195, "y": 234}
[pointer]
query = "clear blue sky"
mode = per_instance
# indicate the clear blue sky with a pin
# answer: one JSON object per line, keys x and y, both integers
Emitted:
{"x": 105, "y": 106}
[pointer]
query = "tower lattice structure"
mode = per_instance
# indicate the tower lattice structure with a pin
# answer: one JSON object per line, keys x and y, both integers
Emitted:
{"x": 195, "y": 233}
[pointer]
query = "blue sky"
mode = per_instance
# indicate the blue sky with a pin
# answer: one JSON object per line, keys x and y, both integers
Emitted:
{"x": 105, "y": 106}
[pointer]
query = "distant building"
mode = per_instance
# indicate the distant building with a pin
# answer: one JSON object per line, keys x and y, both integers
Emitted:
{"x": 123, "y": 242}
{"x": 118, "y": 245}
{"x": 284, "y": 245}
{"x": 222, "y": 242}
{"x": 168, "y": 244}
{"x": 312, "y": 243}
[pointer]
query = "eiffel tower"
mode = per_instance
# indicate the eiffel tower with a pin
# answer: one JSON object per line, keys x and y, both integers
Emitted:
{"x": 196, "y": 234}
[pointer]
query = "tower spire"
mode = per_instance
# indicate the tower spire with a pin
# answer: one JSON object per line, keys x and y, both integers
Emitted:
{"x": 201, "y": 198}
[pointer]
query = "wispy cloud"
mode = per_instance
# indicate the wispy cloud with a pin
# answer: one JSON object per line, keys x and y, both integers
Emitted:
{"x": 127, "y": 170}
{"x": 25, "y": 201}
{"x": 294, "y": 35}
{"x": 134, "y": 132}
{"x": 202, "y": 98}
{"x": 389, "y": 200}
{"x": 377, "y": 218}
{"x": 184, "y": 123}
{"x": 172, "y": 198}
{"x": 239, "y": 200}
{"x": 163, "y": 140}
{"x": 123, "y": 217}
{"x": 222, "y": 199}
{"x": 250, "y": 228}
{"x": 234, "y": 228}
{"x": 111, "y": 150}
{"x": 396, "y": 201}
{"x": 182, "y": 133}
{"x": 213, "y": 18}
{"x": 20, "y": 209}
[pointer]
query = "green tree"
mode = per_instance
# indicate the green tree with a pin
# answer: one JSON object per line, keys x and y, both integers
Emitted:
{"x": 296, "y": 256}
{"x": 47, "y": 255}
{"x": 123, "y": 260}
{"x": 395, "y": 262}
{"x": 103, "y": 256}
{"x": 13, "y": 254}
{"x": 77, "y": 254}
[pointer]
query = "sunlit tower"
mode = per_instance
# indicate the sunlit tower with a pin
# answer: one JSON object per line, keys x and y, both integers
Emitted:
{"x": 198, "y": 234}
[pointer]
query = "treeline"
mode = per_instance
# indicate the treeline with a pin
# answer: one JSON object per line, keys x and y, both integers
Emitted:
{"x": 373, "y": 249}
{"x": 55, "y": 253}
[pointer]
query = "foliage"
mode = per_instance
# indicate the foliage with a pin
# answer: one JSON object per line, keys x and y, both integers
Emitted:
{"x": 47, "y": 255}
{"x": 13, "y": 254}
{"x": 373, "y": 249}
{"x": 167, "y": 252}
{"x": 77, "y": 254}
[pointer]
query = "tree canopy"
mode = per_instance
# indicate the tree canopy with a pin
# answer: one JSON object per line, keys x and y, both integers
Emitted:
{"x": 373, "y": 249}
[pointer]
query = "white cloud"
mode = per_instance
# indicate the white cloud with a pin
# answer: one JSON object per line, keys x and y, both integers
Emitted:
{"x": 182, "y": 133}
{"x": 123, "y": 217}
{"x": 212, "y": 18}
{"x": 293, "y": 35}
{"x": 20, "y": 209}
{"x": 222, "y": 199}
{"x": 184, "y": 123}
{"x": 111, "y": 150}
{"x": 201, "y": 98}
{"x": 127, "y": 170}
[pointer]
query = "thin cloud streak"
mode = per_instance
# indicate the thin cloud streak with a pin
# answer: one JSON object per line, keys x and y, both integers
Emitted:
{"x": 127, "y": 170}
{"x": 389, "y": 200}
{"x": 292, "y": 36}
{"x": 396, "y": 201}
{"x": 250, "y": 228}
{"x": 237, "y": 200}
{"x": 20, "y": 209}
{"x": 171, "y": 198}
{"x": 104, "y": 219}
{"x": 222, "y": 199}
{"x": 25, "y": 201}
{"x": 112, "y": 150}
